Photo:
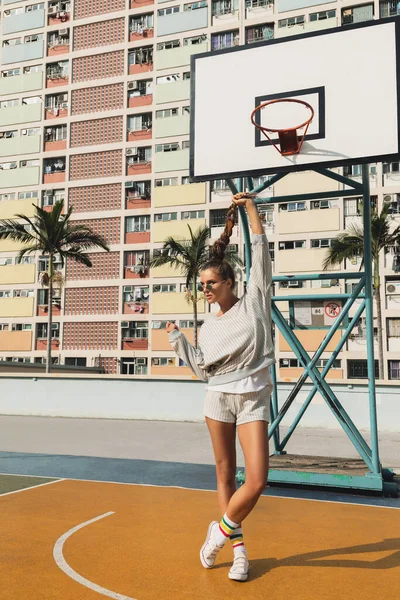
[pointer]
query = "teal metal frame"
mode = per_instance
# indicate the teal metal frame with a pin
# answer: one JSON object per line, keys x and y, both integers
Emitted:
{"x": 375, "y": 478}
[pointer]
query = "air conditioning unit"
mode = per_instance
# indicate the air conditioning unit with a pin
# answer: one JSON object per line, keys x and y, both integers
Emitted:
{"x": 128, "y": 288}
{"x": 48, "y": 193}
{"x": 124, "y": 324}
{"x": 140, "y": 361}
{"x": 324, "y": 203}
{"x": 131, "y": 151}
{"x": 52, "y": 10}
{"x": 156, "y": 361}
{"x": 133, "y": 85}
{"x": 388, "y": 198}
{"x": 129, "y": 184}
{"x": 393, "y": 288}
{"x": 63, "y": 32}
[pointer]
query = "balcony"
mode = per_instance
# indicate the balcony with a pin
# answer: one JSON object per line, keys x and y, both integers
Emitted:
{"x": 16, "y": 341}
{"x": 57, "y": 74}
{"x": 357, "y": 14}
{"x": 180, "y": 195}
{"x": 22, "y": 113}
{"x": 137, "y": 194}
{"x": 140, "y": 60}
{"x": 186, "y": 20}
{"x": 138, "y": 161}
{"x": 22, "y": 52}
{"x": 173, "y": 92}
{"x": 56, "y": 108}
{"x": 55, "y": 138}
{"x": 43, "y": 309}
{"x": 171, "y": 161}
{"x": 134, "y": 335}
{"x": 178, "y": 57}
{"x": 308, "y": 220}
{"x": 41, "y": 343}
{"x": 58, "y": 13}
{"x": 303, "y": 260}
{"x": 173, "y": 303}
{"x": 140, "y": 127}
{"x": 16, "y": 307}
{"x": 140, "y": 3}
{"x": 136, "y": 100}
{"x": 259, "y": 9}
{"x": 17, "y": 274}
{"x": 135, "y": 300}
{"x": 21, "y": 177}
{"x": 54, "y": 170}
{"x": 388, "y": 8}
{"x": 141, "y": 27}
{"x": 22, "y": 83}
{"x": 21, "y": 144}
{"x": 136, "y": 271}
{"x": 224, "y": 12}
{"x": 58, "y": 42}
{"x": 9, "y": 208}
{"x": 259, "y": 33}
{"x": 25, "y": 21}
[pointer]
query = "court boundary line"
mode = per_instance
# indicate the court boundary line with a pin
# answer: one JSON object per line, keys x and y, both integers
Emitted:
{"x": 181, "y": 487}
{"x": 70, "y": 572}
{"x": 31, "y": 487}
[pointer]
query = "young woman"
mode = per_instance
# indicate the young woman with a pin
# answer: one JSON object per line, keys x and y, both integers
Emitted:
{"x": 234, "y": 354}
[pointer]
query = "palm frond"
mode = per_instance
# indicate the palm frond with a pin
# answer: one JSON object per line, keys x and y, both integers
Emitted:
{"x": 12, "y": 230}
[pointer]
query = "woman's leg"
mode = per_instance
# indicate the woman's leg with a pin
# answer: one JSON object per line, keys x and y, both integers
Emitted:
{"x": 223, "y": 437}
{"x": 253, "y": 438}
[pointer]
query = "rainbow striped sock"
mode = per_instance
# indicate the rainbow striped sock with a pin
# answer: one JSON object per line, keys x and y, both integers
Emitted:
{"x": 237, "y": 540}
{"x": 225, "y": 530}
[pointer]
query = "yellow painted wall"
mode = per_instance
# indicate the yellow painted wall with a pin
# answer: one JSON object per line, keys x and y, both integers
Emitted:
{"x": 15, "y": 341}
{"x": 310, "y": 339}
{"x": 10, "y": 246}
{"x": 171, "y": 371}
{"x": 173, "y": 303}
{"x": 180, "y": 195}
{"x": 9, "y": 208}
{"x": 304, "y": 260}
{"x": 304, "y": 182}
{"x": 165, "y": 271}
{"x": 10, "y": 274}
{"x": 294, "y": 374}
{"x": 16, "y": 307}
{"x": 178, "y": 229}
{"x": 159, "y": 339}
{"x": 309, "y": 221}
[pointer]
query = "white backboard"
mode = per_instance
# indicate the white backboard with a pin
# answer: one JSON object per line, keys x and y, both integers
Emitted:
{"x": 348, "y": 74}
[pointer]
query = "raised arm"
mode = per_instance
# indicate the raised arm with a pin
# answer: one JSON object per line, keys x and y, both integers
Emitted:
{"x": 192, "y": 356}
{"x": 261, "y": 269}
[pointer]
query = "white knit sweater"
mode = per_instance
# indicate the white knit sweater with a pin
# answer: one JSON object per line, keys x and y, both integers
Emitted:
{"x": 239, "y": 342}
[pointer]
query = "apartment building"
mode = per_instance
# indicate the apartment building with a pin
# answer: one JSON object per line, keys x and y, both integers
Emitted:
{"x": 95, "y": 110}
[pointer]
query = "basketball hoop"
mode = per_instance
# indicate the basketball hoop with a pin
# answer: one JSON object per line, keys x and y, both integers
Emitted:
{"x": 290, "y": 141}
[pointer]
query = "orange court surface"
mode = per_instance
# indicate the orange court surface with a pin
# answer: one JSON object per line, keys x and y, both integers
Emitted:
{"x": 73, "y": 539}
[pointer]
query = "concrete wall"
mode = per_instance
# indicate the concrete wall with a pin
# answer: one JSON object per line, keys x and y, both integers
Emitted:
{"x": 179, "y": 195}
{"x": 182, "y": 21}
{"x": 172, "y": 400}
{"x": 21, "y": 83}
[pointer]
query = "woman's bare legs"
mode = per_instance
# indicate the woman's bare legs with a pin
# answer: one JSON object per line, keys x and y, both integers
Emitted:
{"x": 223, "y": 437}
{"x": 253, "y": 438}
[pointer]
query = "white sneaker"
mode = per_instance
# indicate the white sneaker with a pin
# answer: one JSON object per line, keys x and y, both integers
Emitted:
{"x": 210, "y": 548}
{"x": 240, "y": 569}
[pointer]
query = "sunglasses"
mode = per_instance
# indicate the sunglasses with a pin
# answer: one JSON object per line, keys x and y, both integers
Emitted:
{"x": 208, "y": 286}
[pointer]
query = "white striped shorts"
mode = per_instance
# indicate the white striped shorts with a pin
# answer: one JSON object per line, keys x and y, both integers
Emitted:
{"x": 238, "y": 408}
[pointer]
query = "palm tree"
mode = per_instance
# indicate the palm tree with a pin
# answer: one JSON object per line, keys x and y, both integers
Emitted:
{"x": 189, "y": 256}
{"x": 52, "y": 233}
{"x": 350, "y": 245}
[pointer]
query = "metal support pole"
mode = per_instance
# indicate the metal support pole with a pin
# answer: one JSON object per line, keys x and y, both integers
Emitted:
{"x": 369, "y": 318}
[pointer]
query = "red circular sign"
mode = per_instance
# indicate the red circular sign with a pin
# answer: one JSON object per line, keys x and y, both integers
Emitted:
{"x": 332, "y": 309}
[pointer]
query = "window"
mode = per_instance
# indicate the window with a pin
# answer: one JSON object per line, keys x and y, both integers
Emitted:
{"x": 185, "y": 180}
{"x": 168, "y": 45}
{"x": 141, "y": 23}
{"x": 134, "y": 366}
{"x": 388, "y": 8}
{"x": 23, "y": 293}
{"x": 143, "y": 87}
{"x": 4, "y": 135}
{"x": 394, "y": 369}
{"x": 393, "y": 167}
{"x": 186, "y": 110}
{"x": 293, "y": 206}
{"x": 266, "y": 214}
{"x": 173, "y": 147}
{"x": 42, "y": 330}
{"x": 33, "y": 38}
{"x": 5, "y": 293}
{"x": 227, "y": 39}
{"x": 291, "y": 284}
{"x": 5, "y": 197}
{"x": 357, "y": 14}
{"x": 223, "y": 7}
{"x": 352, "y": 170}
{"x": 192, "y": 41}
{"x": 159, "y": 324}
{"x": 187, "y": 324}
{"x": 218, "y": 217}
{"x": 172, "y": 216}
{"x": 325, "y": 243}
{"x": 141, "y": 56}
{"x": 186, "y": 76}
{"x": 393, "y": 202}
{"x": 291, "y": 21}
{"x": 139, "y": 223}
{"x": 137, "y": 258}
{"x": 166, "y": 181}
{"x": 163, "y": 362}
{"x": 292, "y": 245}
{"x": 11, "y": 72}
{"x": 322, "y": 362}
{"x": 75, "y": 361}
{"x": 164, "y": 288}
{"x": 137, "y": 293}
{"x": 357, "y": 369}
{"x": 138, "y": 189}
{"x": 352, "y": 207}
{"x": 21, "y": 327}
{"x": 12, "y": 42}
{"x": 136, "y": 329}
{"x": 393, "y": 327}
{"x": 325, "y": 14}
{"x": 287, "y": 363}
{"x": 167, "y": 112}
{"x": 168, "y": 11}
{"x": 195, "y": 5}
{"x": 140, "y": 122}
{"x": 193, "y": 214}
{"x": 185, "y": 144}
{"x": 271, "y": 246}
{"x": 143, "y": 155}
{"x": 320, "y": 204}
{"x": 173, "y": 78}
{"x": 259, "y": 33}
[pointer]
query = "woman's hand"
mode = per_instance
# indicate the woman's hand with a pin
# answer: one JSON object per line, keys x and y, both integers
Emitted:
{"x": 170, "y": 327}
{"x": 243, "y": 199}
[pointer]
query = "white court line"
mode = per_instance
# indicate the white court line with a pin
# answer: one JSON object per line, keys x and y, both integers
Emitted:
{"x": 181, "y": 487}
{"x": 64, "y": 566}
{"x": 31, "y": 487}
